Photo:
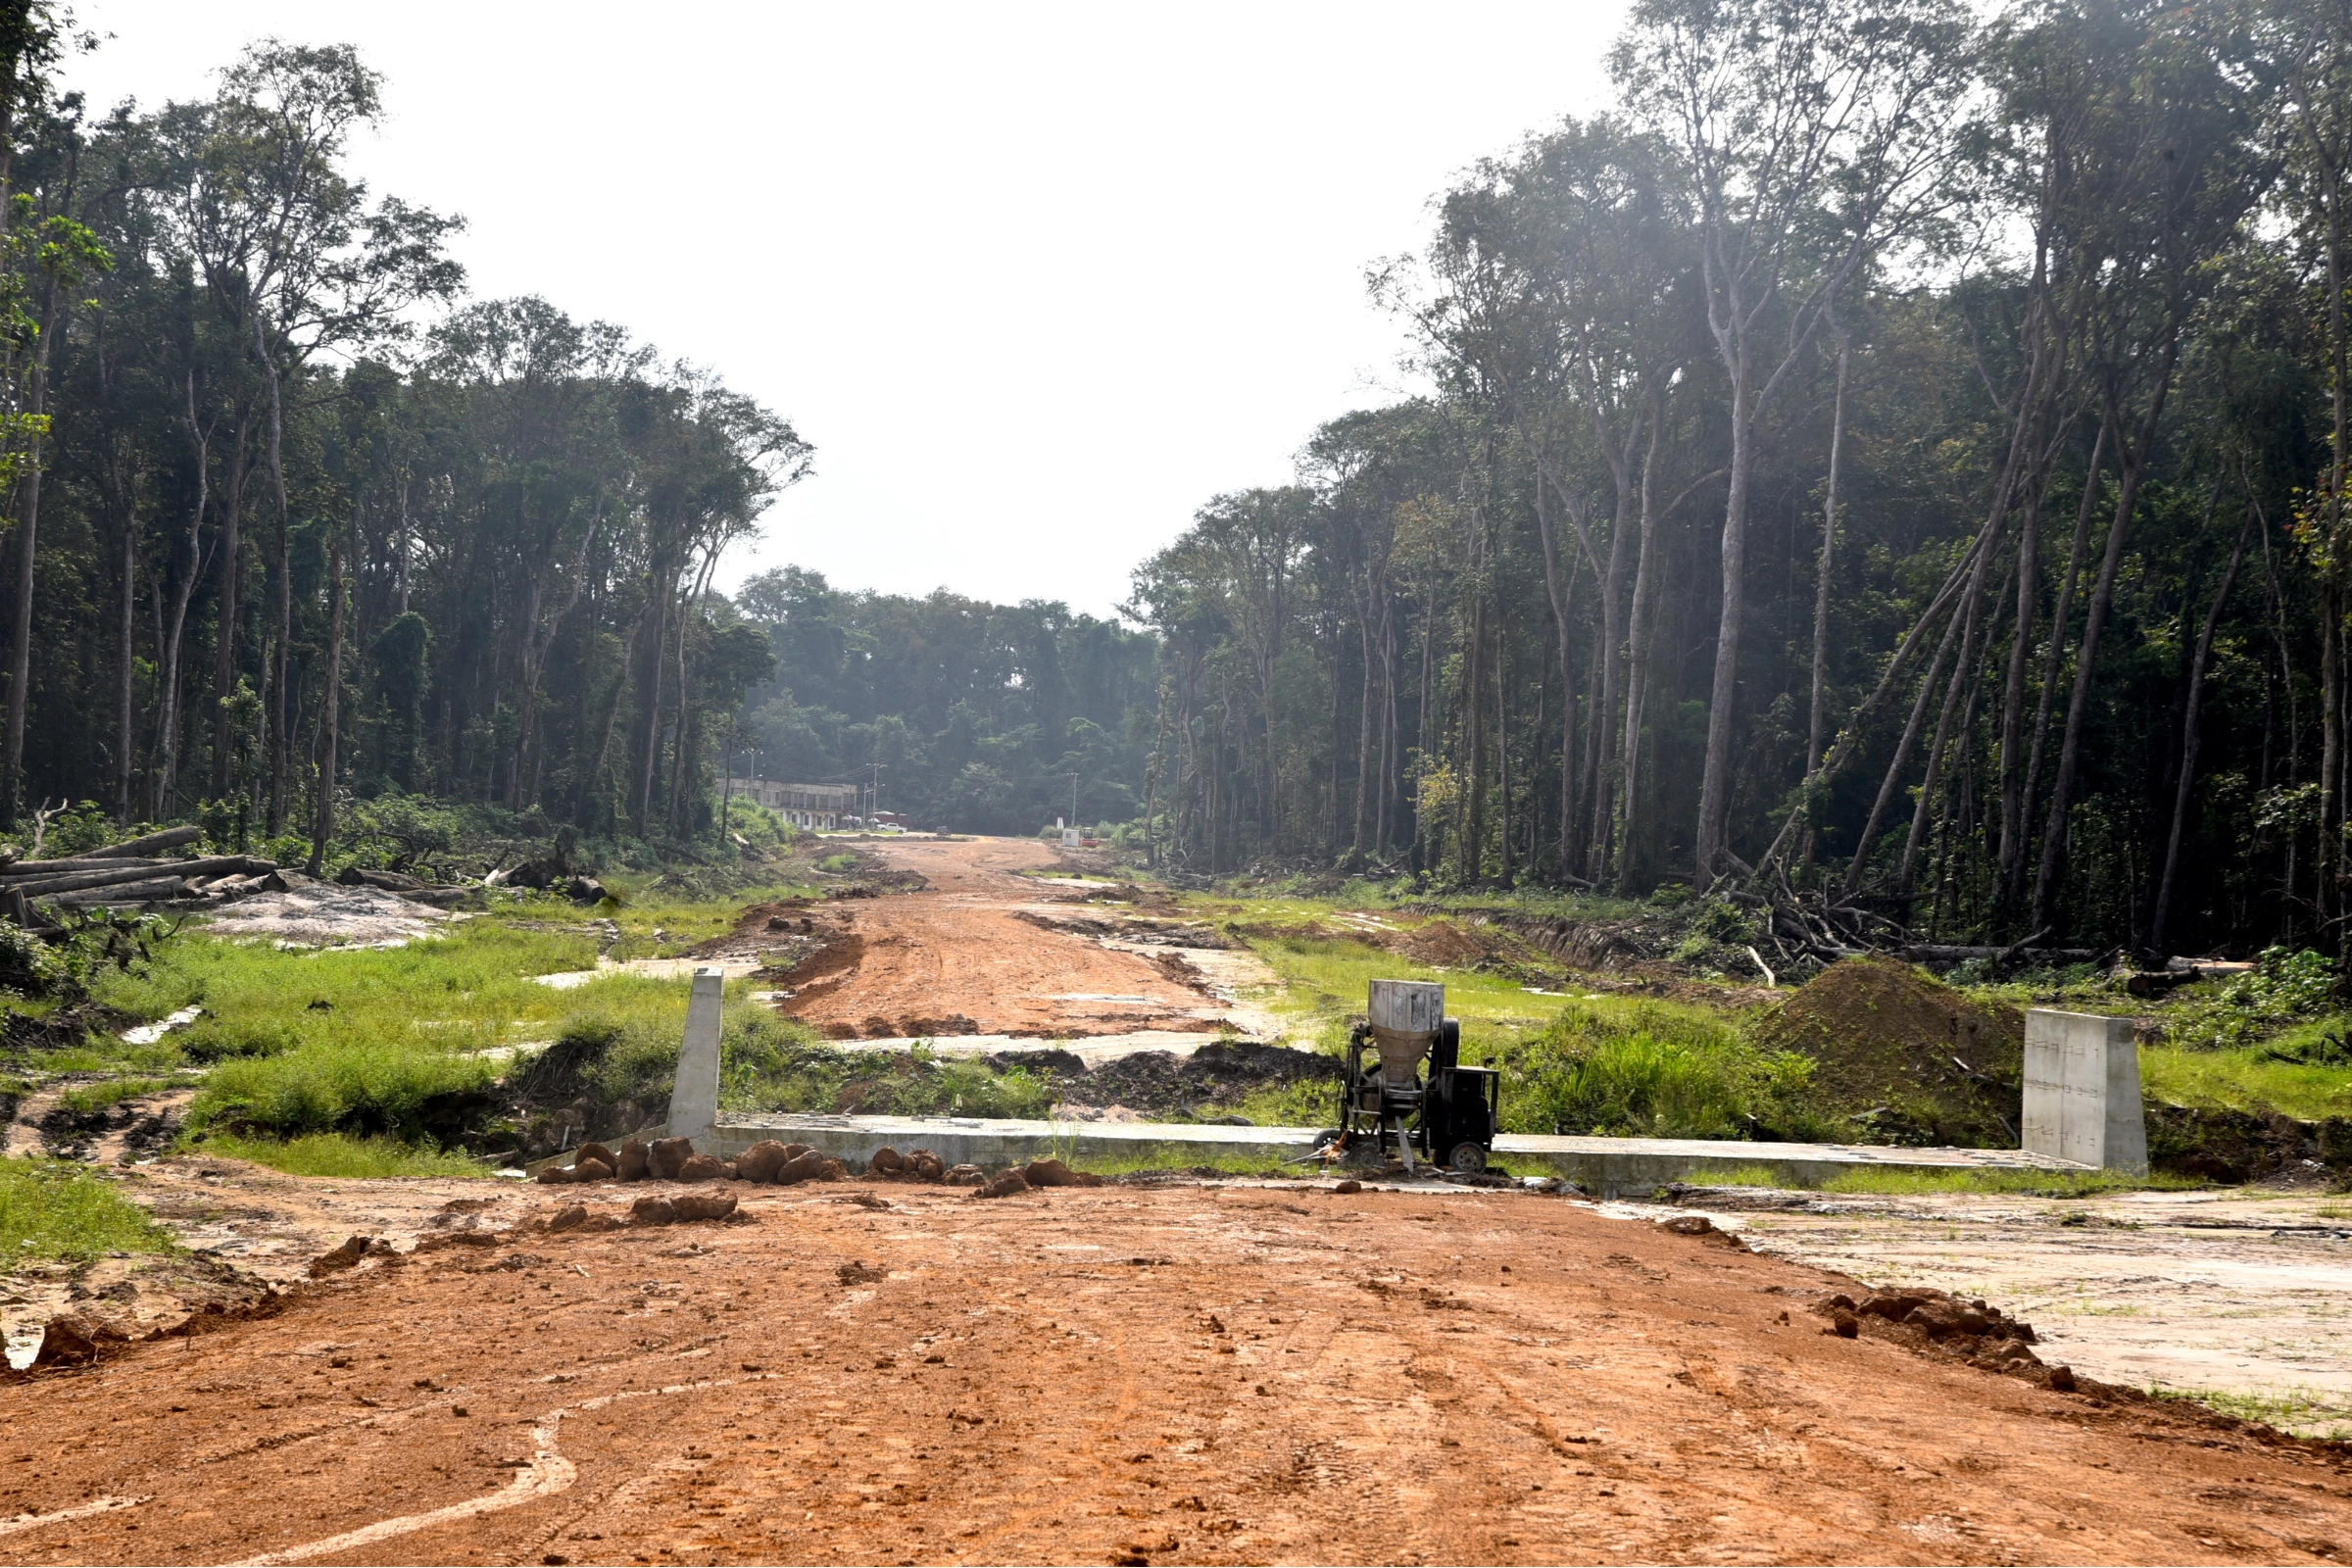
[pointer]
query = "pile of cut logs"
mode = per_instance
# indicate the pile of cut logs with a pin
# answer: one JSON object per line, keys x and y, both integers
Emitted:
{"x": 136, "y": 872}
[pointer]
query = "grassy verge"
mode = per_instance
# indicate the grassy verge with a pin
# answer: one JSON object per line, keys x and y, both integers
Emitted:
{"x": 53, "y": 1211}
{"x": 337, "y": 1155}
{"x": 2243, "y": 1079}
{"x": 2305, "y": 1412}
{"x": 1882, "y": 1182}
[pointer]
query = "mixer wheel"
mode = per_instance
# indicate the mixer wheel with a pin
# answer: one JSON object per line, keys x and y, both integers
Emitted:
{"x": 1468, "y": 1158}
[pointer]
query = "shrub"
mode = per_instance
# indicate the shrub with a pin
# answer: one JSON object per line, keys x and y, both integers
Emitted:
{"x": 212, "y": 1040}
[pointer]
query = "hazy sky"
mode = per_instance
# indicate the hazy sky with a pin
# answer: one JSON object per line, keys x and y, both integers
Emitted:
{"x": 1036, "y": 281}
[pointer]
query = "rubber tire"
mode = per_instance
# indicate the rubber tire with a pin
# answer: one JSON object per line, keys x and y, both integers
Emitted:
{"x": 1468, "y": 1158}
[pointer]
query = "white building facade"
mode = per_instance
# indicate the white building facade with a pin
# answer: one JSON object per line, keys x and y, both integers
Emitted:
{"x": 813, "y": 806}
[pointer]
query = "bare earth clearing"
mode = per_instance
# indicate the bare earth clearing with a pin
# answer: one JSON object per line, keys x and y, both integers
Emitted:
{"x": 1187, "y": 1375}
{"x": 1223, "y": 1372}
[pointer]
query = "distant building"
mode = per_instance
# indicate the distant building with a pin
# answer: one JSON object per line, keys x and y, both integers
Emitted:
{"x": 821, "y": 806}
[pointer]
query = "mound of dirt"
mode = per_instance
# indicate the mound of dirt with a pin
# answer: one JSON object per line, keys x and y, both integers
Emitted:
{"x": 1911, "y": 1060}
{"x": 1162, "y": 1081}
{"x": 1443, "y": 945}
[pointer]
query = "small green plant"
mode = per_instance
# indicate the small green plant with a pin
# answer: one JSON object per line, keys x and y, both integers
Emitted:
{"x": 57, "y": 1210}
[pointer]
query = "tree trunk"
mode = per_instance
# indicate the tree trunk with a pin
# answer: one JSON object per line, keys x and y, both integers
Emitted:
{"x": 330, "y": 714}
{"x": 2189, "y": 733}
{"x": 281, "y": 569}
{"x": 652, "y": 709}
{"x": 125, "y": 670}
{"x": 1821, "y": 580}
{"x": 224, "y": 641}
{"x": 19, "y": 652}
{"x": 2069, "y": 753}
{"x": 2014, "y": 877}
{"x": 1715, "y": 786}
{"x": 1636, "y": 668}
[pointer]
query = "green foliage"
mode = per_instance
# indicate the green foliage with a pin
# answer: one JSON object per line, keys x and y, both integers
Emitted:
{"x": 337, "y": 1085}
{"x": 1648, "y": 1069}
{"x": 82, "y": 1098}
{"x": 812, "y": 1077}
{"x": 2283, "y": 986}
{"x": 56, "y": 1210}
{"x": 213, "y": 1040}
{"x": 30, "y": 966}
{"x": 340, "y": 1156}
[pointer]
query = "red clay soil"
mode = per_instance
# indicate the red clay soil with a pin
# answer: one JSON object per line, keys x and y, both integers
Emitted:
{"x": 956, "y": 959}
{"x": 1194, "y": 1374}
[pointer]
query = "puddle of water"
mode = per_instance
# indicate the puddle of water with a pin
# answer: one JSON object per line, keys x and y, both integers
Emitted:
{"x": 147, "y": 1034}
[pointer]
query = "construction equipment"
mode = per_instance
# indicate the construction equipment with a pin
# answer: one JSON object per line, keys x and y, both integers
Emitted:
{"x": 1390, "y": 1107}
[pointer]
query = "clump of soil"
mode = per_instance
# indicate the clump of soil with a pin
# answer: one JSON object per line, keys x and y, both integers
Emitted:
{"x": 1912, "y": 1061}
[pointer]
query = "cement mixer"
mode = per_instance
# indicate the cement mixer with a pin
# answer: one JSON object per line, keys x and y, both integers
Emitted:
{"x": 1388, "y": 1106}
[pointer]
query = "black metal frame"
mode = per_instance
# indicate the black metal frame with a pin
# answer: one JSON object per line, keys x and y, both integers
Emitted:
{"x": 1448, "y": 1118}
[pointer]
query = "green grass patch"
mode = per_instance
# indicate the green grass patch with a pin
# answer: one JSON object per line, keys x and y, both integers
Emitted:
{"x": 84, "y": 1098}
{"x": 339, "y": 1155}
{"x": 1749, "y": 1176}
{"x": 2304, "y": 1412}
{"x": 58, "y": 1210}
{"x": 1651, "y": 1069}
{"x": 1890, "y": 1182}
{"x": 2244, "y": 1078}
{"x": 1324, "y": 980}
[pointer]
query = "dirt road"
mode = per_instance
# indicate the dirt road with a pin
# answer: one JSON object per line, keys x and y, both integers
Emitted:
{"x": 1190, "y": 1375}
{"x": 986, "y": 951}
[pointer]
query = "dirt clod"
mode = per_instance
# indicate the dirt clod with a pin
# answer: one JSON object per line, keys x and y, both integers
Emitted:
{"x": 1003, "y": 1185}
{"x": 761, "y": 1161}
{"x": 651, "y": 1209}
{"x": 569, "y": 1217}
{"x": 633, "y": 1161}
{"x": 665, "y": 1157}
{"x": 690, "y": 1206}
{"x": 701, "y": 1167}
{"x": 342, "y": 1258}
{"x": 1053, "y": 1173}
{"x": 73, "y": 1340}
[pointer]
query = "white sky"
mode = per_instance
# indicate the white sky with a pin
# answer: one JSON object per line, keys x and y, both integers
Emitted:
{"x": 1036, "y": 281}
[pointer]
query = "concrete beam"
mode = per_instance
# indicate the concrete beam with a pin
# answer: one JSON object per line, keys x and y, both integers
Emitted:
{"x": 2082, "y": 1100}
{"x": 694, "y": 1099}
{"x": 1606, "y": 1167}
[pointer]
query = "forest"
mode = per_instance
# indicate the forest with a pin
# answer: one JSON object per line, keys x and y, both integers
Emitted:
{"x": 1887, "y": 461}
{"x": 1886, "y": 464}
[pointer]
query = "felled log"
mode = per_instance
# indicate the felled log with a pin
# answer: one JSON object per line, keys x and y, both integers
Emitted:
{"x": 25, "y": 871}
{"x": 1944, "y": 952}
{"x": 170, "y": 887}
{"x": 171, "y": 837}
{"x": 356, "y": 876}
{"x": 138, "y": 871}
